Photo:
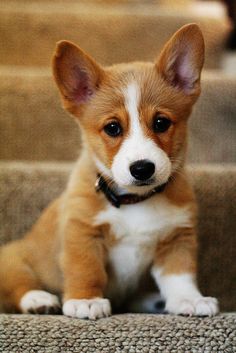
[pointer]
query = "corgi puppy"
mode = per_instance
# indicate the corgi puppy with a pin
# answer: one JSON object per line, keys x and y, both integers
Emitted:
{"x": 128, "y": 210}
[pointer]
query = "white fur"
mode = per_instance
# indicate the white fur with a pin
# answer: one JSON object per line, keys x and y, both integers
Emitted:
{"x": 35, "y": 299}
{"x": 182, "y": 295}
{"x": 138, "y": 146}
{"x": 138, "y": 228}
{"x": 87, "y": 308}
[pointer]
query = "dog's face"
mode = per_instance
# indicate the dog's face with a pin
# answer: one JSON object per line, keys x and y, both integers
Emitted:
{"x": 134, "y": 116}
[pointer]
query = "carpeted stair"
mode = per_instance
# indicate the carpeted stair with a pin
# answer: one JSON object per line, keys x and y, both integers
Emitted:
{"x": 39, "y": 141}
{"x": 111, "y": 32}
{"x": 119, "y": 334}
{"x": 33, "y": 125}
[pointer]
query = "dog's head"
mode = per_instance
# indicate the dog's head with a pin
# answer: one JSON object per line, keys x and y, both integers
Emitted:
{"x": 134, "y": 116}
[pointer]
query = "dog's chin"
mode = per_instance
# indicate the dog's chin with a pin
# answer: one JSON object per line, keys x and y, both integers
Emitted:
{"x": 139, "y": 187}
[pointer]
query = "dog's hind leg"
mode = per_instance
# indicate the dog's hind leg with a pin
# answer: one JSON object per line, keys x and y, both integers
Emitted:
{"x": 20, "y": 289}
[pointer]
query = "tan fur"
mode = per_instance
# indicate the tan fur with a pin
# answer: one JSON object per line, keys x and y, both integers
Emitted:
{"x": 177, "y": 253}
{"x": 65, "y": 252}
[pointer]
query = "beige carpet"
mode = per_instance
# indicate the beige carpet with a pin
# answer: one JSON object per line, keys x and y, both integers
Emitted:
{"x": 118, "y": 334}
{"x": 116, "y": 33}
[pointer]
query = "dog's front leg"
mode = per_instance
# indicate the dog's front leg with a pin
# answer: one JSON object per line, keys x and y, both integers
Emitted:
{"x": 83, "y": 266}
{"x": 174, "y": 271}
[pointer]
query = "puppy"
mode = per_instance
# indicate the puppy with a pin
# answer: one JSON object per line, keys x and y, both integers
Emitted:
{"x": 128, "y": 210}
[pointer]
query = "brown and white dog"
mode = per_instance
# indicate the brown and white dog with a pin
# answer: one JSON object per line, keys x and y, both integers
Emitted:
{"x": 94, "y": 247}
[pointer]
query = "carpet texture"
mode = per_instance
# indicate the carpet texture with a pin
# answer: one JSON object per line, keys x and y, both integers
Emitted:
{"x": 33, "y": 126}
{"x": 26, "y": 189}
{"x": 112, "y": 34}
{"x": 121, "y": 333}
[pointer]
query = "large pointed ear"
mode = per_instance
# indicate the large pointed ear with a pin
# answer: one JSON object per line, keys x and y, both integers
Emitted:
{"x": 181, "y": 60}
{"x": 77, "y": 75}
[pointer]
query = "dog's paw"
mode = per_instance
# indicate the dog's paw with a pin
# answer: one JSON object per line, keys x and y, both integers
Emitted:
{"x": 39, "y": 302}
{"x": 87, "y": 308}
{"x": 201, "y": 306}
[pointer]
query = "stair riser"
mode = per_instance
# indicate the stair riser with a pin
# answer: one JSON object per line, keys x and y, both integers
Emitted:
{"x": 29, "y": 37}
{"x": 33, "y": 126}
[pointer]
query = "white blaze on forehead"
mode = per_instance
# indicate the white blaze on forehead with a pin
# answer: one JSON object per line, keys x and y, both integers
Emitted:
{"x": 137, "y": 145}
{"x": 132, "y": 98}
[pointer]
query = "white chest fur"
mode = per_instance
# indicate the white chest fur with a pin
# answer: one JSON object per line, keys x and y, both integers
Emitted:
{"x": 137, "y": 229}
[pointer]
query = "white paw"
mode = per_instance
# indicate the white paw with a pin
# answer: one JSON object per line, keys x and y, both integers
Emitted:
{"x": 201, "y": 306}
{"x": 87, "y": 308}
{"x": 39, "y": 302}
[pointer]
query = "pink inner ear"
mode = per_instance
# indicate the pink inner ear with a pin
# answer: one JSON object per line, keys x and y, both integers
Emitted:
{"x": 81, "y": 89}
{"x": 184, "y": 74}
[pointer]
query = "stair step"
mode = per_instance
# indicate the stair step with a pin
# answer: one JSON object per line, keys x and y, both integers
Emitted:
{"x": 30, "y": 186}
{"x": 111, "y": 34}
{"x": 33, "y": 125}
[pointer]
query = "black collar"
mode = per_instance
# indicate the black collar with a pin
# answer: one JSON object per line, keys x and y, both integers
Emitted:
{"x": 124, "y": 199}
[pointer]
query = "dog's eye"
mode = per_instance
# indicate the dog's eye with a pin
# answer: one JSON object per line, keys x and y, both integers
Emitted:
{"x": 161, "y": 123}
{"x": 113, "y": 129}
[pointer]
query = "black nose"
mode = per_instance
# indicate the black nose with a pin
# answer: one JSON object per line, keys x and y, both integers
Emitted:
{"x": 142, "y": 169}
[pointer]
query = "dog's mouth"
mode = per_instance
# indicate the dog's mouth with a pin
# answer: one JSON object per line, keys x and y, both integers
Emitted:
{"x": 142, "y": 187}
{"x": 148, "y": 182}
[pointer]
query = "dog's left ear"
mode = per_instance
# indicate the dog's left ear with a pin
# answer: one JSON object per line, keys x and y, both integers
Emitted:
{"x": 76, "y": 74}
{"x": 181, "y": 60}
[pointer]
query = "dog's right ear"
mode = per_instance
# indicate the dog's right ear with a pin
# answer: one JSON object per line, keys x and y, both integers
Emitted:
{"x": 77, "y": 76}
